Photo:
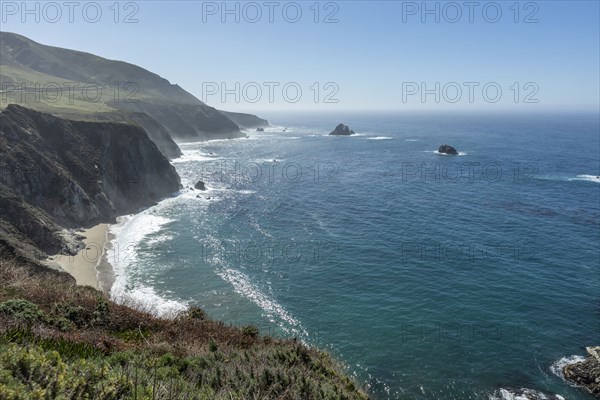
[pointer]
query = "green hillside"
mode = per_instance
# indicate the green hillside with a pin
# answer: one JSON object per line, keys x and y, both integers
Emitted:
{"x": 80, "y": 85}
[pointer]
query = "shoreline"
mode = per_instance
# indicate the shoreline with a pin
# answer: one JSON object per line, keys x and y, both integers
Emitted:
{"x": 86, "y": 265}
{"x": 105, "y": 274}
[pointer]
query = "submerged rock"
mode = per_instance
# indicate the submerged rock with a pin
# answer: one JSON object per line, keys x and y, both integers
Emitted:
{"x": 200, "y": 185}
{"x": 447, "y": 149}
{"x": 342, "y": 130}
{"x": 586, "y": 373}
{"x": 260, "y": 130}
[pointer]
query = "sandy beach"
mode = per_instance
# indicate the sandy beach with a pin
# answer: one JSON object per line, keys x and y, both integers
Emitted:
{"x": 82, "y": 266}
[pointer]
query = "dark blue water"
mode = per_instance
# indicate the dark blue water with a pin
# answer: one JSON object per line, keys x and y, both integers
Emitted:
{"x": 428, "y": 276}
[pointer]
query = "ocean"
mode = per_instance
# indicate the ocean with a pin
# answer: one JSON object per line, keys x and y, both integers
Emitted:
{"x": 427, "y": 276}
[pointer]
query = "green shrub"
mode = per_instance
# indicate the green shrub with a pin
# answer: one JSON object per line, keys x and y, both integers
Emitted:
{"x": 61, "y": 323}
{"x": 32, "y": 373}
{"x": 134, "y": 335}
{"x": 70, "y": 312}
{"x": 22, "y": 309}
{"x": 121, "y": 358}
{"x": 250, "y": 330}
{"x": 101, "y": 315}
{"x": 66, "y": 348}
{"x": 196, "y": 313}
{"x": 55, "y": 369}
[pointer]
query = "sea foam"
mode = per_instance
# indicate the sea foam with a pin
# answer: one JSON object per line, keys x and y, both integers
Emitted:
{"x": 122, "y": 254}
{"x": 557, "y": 367}
{"x": 523, "y": 394}
{"x": 380, "y": 138}
{"x": 589, "y": 178}
{"x": 274, "y": 311}
{"x": 460, "y": 153}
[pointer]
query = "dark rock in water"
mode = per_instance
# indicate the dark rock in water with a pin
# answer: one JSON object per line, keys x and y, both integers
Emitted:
{"x": 447, "y": 149}
{"x": 260, "y": 130}
{"x": 586, "y": 373}
{"x": 342, "y": 130}
{"x": 200, "y": 186}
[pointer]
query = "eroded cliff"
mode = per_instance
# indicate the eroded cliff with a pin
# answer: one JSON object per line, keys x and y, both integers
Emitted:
{"x": 57, "y": 173}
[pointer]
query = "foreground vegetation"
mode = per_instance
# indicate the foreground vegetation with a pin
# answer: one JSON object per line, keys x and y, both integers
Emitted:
{"x": 61, "y": 341}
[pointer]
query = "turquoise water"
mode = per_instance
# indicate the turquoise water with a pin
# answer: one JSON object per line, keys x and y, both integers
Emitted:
{"x": 428, "y": 276}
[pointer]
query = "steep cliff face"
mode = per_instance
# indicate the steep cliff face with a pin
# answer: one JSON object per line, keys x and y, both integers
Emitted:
{"x": 61, "y": 173}
{"x": 25, "y": 227}
{"x": 188, "y": 122}
{"x": 158, "y": 134}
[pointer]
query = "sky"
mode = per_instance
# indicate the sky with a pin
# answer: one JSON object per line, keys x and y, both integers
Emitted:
{"x": 342, "y": 55}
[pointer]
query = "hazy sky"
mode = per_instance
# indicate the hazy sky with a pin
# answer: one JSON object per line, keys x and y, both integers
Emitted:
{"x": 376, "y": 55}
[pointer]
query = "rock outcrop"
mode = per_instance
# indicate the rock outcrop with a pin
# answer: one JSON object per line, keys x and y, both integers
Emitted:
{"x": 200, "y": 186}
{"x": 586, "y": 373}
{"x": 447, "y": 149}
{"x": 342, "y": 130}
{"x": 246, "y": 121}
{"x": 57, "y": 173}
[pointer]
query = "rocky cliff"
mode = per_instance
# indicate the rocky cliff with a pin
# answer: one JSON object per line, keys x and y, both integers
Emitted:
{"x": 246, "y": 121}
{"x": 586, "y": 373}
{"x": 57, "y": 173}
{"x": 156, "y": 132}
{"x": 187, "y": 122}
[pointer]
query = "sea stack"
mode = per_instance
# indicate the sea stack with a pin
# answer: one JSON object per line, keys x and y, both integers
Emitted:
{"x": 200, "y": 186}
{"x": 447, "y": 149}
{"x": 342, "y": 130}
